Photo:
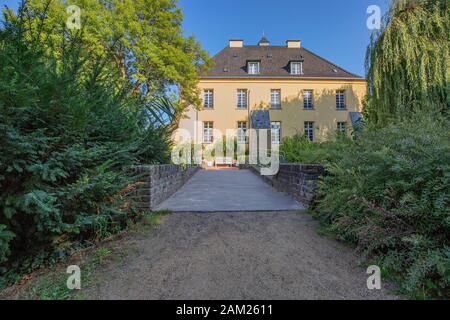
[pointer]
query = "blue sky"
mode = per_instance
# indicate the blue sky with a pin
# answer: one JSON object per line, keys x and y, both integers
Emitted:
{"x": 334, "y": 29}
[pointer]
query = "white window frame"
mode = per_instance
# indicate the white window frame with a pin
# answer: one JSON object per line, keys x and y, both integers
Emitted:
{"x": 208, "y": 133}
{"x": 242, "y": 97}
{"x": 275, "y": 99}
{"x": 309, "y": 130}
{"x": 296, "y": 68}
{"x": 242, "y": 132}
{"x": 208, "y": 98}
{"x": 275, "y": 132}
{"x": 340, "y": 100}
{"x": 342, "y": 126}
{"x": 308, "y": 102}
{"x": 253, "y": 67}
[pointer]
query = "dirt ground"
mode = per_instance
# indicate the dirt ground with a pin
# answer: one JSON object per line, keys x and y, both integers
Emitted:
{"x": 259, "y": 256}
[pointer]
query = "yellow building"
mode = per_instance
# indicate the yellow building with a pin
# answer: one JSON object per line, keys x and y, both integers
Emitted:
{"x": 288, "y": 88}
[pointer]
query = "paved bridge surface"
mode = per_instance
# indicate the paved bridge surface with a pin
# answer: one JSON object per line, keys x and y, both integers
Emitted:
{"x": 228, "y": 191}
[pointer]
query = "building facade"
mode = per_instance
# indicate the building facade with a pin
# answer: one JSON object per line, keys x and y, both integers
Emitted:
{"x": 287, "y": 89}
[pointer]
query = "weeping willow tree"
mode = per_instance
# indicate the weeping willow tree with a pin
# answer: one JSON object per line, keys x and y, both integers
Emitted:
{"x": 406, "y": 61}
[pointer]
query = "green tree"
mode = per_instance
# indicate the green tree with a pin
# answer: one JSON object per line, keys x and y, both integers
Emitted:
{"x": 143, "y": 39}
{"x": 76, "y": 116}
{"x": 406, "y": 61}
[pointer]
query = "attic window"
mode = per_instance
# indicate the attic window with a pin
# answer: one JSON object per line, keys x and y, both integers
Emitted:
{"x": 253, "y": 67}
{"x": 297, "y": 68}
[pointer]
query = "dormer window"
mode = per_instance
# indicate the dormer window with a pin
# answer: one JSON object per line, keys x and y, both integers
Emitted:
{"x": 297, "y": 68}
{"x": 253, "y": 67}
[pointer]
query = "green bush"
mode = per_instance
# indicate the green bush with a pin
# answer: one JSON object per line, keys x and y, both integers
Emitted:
{"x": 5, "y": 237}
{"x": 299, "y": 149}
{"x": 68, "y": 135}
{"x": 388, "y": 192}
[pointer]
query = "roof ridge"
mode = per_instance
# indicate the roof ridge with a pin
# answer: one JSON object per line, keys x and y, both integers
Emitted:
{"x": 258, "y": 46}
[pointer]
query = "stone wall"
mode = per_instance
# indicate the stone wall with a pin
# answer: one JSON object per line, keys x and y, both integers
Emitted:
{"x": 159, "y": 182}
{"x": 297, "y": 180}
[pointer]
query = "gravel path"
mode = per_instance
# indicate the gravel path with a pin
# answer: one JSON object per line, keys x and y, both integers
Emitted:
{"x": 271, "y": 255}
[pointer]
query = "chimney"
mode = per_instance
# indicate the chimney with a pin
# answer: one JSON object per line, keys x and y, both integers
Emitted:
{"x": 236, "y": 43}
{"x": 294, "y": 44}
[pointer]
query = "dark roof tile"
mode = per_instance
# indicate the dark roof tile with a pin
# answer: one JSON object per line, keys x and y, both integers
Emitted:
{"x": 274, "y": 63}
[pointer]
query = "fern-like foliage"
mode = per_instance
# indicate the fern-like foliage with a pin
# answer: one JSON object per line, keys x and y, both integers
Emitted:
{"x": 70, "y": 129}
